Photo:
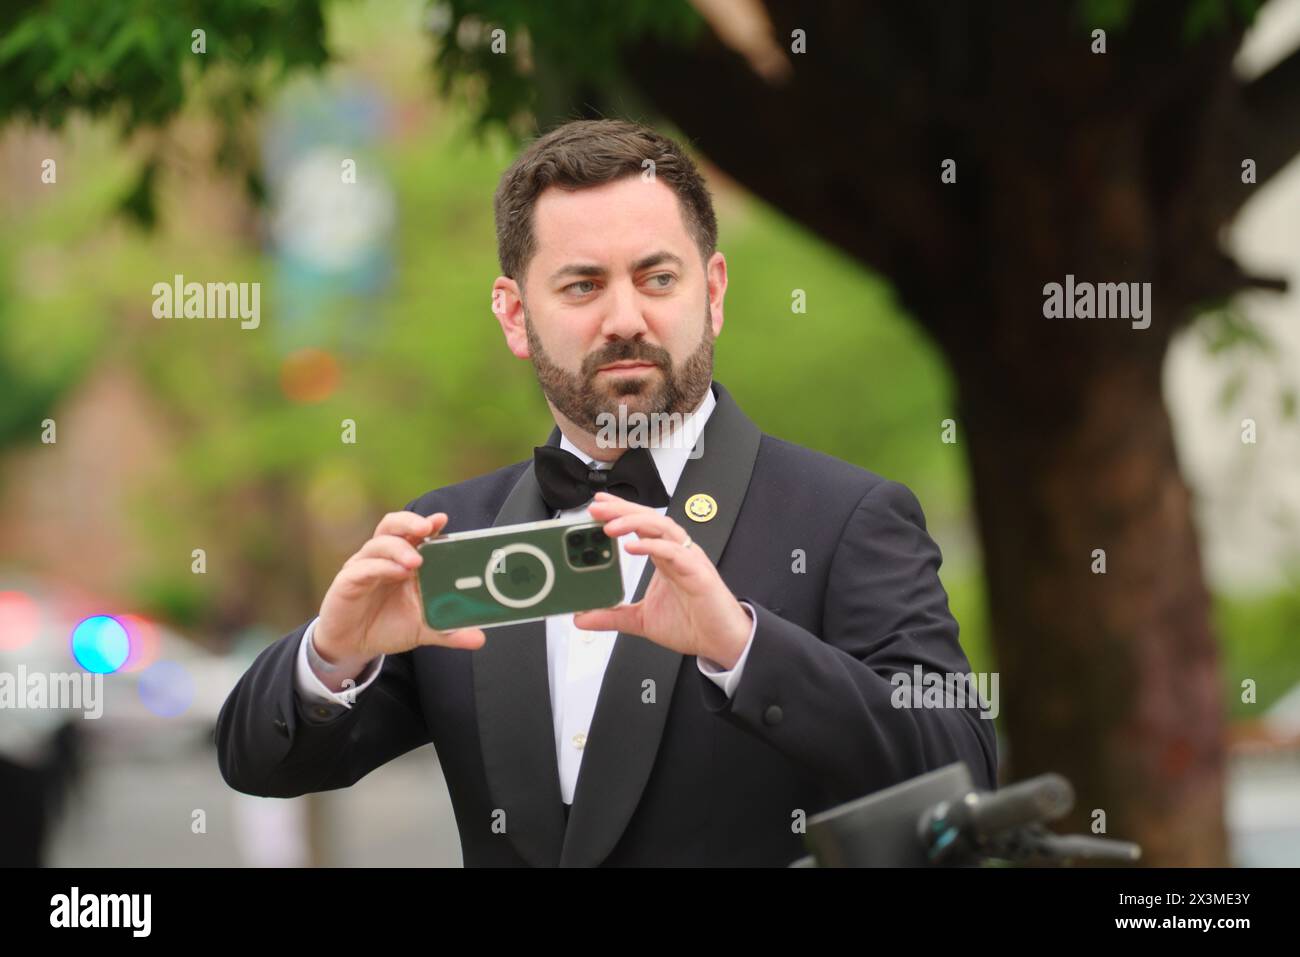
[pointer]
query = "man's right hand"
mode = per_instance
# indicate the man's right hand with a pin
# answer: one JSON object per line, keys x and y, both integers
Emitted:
{"x": 373, "y": 607}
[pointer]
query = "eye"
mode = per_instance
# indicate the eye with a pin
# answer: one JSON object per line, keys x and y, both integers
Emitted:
{"x": 662, "y": 275}
{"x": 573, "y": 287}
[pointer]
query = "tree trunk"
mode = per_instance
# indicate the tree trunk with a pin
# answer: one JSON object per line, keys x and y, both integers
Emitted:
{"x": 1118, "y": 167}
{"x": 1108, "y": 678}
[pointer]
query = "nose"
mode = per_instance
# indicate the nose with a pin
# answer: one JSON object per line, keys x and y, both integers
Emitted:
{"x": 624, "y": 320}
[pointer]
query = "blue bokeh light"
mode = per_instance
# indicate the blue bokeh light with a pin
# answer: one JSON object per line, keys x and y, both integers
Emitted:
{"x": 100, "y": 644}
{"x": 166, "y": 689}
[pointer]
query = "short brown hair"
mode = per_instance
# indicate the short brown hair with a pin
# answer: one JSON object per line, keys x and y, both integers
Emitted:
{"x": 585, "y": 153}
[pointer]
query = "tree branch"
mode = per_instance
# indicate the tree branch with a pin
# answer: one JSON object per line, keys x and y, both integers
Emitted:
{"x": 863, "y": 177}
{"x": 1272, "y": 123}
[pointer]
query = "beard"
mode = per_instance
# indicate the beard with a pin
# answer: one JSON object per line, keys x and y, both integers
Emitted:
{"x": 583, "y": 399}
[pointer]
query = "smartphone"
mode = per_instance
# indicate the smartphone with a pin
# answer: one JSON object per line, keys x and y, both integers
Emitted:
{"x": 514, "y": 573}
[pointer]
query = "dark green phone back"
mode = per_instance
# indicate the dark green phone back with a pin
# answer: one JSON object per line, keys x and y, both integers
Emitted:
{"x": 516, "y": 573}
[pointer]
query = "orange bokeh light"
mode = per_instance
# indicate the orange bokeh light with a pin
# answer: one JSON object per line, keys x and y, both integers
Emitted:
{"x": 309, "y": 375}
{"x": 143, "y": 636}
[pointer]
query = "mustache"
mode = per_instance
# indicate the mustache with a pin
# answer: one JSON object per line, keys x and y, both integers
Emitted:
{"x": 626, "y": 351}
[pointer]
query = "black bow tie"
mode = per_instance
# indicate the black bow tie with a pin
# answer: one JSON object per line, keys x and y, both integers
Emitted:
{"x": 567, "y": 482}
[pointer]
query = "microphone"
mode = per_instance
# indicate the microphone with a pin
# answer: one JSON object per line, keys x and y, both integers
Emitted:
{"x": 940, "y": 819}
{"x": 955, "y": 828}
{"x": 1040, "y": 843}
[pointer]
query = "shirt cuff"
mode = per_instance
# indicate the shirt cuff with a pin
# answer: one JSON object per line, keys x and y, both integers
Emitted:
{"x": 728, "y": 680}
{"x": 310, "y": 664}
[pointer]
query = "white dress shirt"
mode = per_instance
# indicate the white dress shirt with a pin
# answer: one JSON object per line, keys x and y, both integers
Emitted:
{"x": 576, "y": 659}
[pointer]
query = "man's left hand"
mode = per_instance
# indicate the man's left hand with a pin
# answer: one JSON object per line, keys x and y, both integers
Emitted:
{"x": 687, "y": 607}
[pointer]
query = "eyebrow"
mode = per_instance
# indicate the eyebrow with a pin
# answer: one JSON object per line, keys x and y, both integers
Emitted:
{"x": 591, "y": 269}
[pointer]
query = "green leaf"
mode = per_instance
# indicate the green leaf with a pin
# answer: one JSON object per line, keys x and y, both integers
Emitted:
{"x": 23, "y": 37}
{"x": 1228, "y": 328}
{"x": 1232, "y": 389}
{"x": 1105, "y": 14}
{"x": 1204, "y": 16}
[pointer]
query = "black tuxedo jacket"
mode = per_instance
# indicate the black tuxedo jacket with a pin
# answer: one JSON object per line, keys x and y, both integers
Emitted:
{"x": 682, "y": 775}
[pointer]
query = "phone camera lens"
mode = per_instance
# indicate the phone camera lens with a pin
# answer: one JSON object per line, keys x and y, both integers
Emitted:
{"x": 589, "y": 556}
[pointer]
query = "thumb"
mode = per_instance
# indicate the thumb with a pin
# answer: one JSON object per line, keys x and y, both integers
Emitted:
{"x": 469, "y": 639}
{"x": 620, "y": 618}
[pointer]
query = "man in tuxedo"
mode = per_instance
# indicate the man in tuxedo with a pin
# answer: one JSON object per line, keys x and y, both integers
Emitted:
{"x": 777, "y": 597}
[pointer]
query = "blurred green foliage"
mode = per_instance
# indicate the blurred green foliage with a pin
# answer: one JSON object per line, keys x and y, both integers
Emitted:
{"x": 135, "y": 59}
{"x": 1198, "y": 16}
{"x": 33, "y": 377}
{"x": 1260, "y": 640}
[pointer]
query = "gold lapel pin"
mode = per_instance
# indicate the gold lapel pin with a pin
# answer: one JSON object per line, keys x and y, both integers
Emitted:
{"x": 701, "y": 507}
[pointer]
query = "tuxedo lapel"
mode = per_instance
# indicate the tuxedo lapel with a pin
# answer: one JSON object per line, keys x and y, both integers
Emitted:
{"x": 512, "y": 696}
{"x": 626, "y": 728}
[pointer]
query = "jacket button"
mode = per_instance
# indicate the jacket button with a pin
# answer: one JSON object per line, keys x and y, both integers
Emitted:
{"x": 282, "y": 727}
{"x": 773, "y": 714}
